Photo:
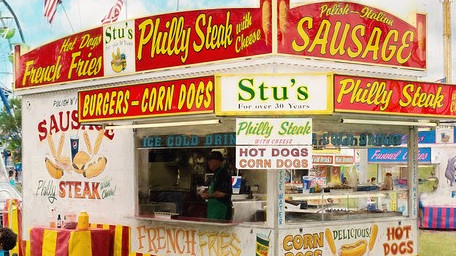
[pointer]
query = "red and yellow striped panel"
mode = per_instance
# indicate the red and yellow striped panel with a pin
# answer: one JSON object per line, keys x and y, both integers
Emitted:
{"x": 12, "y": 218}
{"x": 121, "y": 238}
{"x": 65, "y": 242}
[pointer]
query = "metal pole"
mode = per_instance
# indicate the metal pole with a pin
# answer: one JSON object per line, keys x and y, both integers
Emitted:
{"x": 447, "y": 39}
{"x": 15, "y": 19}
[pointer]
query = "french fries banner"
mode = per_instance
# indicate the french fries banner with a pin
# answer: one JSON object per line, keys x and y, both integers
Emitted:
{"x": 358, "y": 239}
{"x": 69, "y": 166}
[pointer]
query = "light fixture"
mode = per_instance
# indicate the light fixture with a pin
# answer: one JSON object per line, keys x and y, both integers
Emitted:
{"x": 167, "y": 124}
{"x": 388, "y": 122}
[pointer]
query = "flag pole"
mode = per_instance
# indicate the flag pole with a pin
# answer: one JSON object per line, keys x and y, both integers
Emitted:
{"x": 69, "y": 22}
{"x": 126, "y": 9}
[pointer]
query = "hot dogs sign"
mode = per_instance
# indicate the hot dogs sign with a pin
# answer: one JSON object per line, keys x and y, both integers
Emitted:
{"x": 388, "y": 239}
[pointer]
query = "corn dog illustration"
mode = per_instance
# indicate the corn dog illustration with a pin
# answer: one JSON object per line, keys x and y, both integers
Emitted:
{"x": 96, "y": 147}
{"x": 266, "y": 19}
{"x": 53, "y": 169}
{"x": 330, "y": 240}
{"x": 51, "y": 145}
{"x": 95, "y": 168}
{"x": 61, "y": 141}
{"x": 283, "y": 19}
{"x": 87, "y": 142}
{"x": 357, "y": 248}
{"x": 373, "y": 237}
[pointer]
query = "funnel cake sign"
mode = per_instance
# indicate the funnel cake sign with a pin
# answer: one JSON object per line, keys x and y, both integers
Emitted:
{"x": 393, "y": 97}
{"x": 351, "y": 32}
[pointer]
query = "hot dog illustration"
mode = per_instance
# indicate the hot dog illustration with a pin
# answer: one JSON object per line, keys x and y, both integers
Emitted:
{"x": 95, "y": 168}
{"x": 357, "y": 248}
{"x": 53, "y": 169}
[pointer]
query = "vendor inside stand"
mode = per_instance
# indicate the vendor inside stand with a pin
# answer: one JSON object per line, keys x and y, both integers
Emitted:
{"x": 173, "y": 172}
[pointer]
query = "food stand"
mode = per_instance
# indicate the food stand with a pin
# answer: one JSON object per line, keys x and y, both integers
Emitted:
{"x": 118, "y": 121}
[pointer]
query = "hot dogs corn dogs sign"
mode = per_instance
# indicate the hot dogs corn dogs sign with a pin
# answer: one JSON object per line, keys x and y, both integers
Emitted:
{"x": 149, "y": 43}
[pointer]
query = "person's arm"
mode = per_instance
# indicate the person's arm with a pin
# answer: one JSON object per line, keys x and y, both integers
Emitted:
{"x": 215, "y": 194}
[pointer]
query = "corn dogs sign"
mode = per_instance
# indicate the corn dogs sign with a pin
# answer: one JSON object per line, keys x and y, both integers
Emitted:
{"x": 178, "y": 97}
{"x": 393, "y": 97}
{"x": 351, "y": 32}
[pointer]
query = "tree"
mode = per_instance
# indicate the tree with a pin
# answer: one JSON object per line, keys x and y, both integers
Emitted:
{"x": 11, "y": 129}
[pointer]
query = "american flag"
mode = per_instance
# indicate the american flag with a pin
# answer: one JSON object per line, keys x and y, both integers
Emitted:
{"x": 113, "y": 14}
{"x": 50, "y": 7}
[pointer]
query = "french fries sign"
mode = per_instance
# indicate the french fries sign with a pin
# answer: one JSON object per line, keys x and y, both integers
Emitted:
{"x": 177, "y": 97}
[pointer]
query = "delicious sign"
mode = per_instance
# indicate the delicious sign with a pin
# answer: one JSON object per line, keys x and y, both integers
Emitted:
{"x": 177, "y": 97}
{"x": 351, "y": 32}
{"x": 393, "y": 97}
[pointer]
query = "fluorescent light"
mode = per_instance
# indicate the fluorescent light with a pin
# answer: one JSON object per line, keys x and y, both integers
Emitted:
{"x": 388, "y": 122}
{"x": 159, "y": 125}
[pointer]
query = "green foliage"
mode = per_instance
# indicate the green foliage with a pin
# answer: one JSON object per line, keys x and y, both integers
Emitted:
{"x": 11, "y": 129}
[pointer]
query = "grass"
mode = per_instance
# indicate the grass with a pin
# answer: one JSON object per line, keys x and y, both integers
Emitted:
{"x": 435, "y": 242}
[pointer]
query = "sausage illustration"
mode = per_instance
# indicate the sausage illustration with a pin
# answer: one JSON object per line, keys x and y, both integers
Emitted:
{"x": 95, "y": 168}
{"x": 98, "y": 141}
{"x": 87, "y": 142}
{"x": 61, "y": 141}
{"x": 51, "y": 145}
{"x": 53, "y": 169}
{"x": 357, "y": 248}
{"x": 330, "y": 240}
{"x": 266, "y": 18}
{"x": 373, "y": 237}
{"x": 283, "y": 19}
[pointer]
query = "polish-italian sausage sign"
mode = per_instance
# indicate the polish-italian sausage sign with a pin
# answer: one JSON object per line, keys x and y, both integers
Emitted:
{"x": 351, "y": 32}
{"x": 176, "y": 97}
{"x": 393, "y": 97}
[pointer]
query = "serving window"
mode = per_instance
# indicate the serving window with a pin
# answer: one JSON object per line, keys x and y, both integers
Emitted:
{"x": 173, "y": 170}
